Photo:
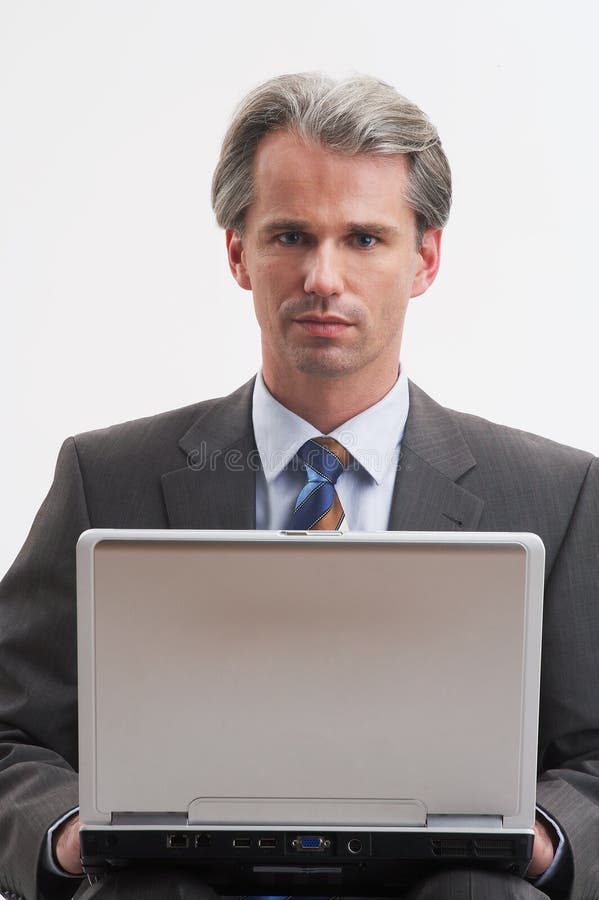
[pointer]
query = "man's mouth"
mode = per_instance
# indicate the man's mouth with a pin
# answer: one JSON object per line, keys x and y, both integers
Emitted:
{"x": 322, "y": 326}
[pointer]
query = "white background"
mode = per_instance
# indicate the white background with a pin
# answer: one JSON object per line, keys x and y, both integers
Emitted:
{"x": 116, "y": 301}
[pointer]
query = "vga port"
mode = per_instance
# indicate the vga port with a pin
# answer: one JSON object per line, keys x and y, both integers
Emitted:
{"x": 310, "y": 842}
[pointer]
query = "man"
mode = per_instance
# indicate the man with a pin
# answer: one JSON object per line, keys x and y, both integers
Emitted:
{"x": 333, "y": 197}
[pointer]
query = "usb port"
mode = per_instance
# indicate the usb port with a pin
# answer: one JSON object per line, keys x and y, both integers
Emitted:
{"x": 241, "y": 843}
{"x": 267, "y": 843}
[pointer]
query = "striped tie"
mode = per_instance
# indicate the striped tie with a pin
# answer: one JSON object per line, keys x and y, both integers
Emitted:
{"x": 318, "y": 507}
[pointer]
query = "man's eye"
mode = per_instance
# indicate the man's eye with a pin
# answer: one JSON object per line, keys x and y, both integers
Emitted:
{"x": 290, "y": 238}
{"x": 365, "y": 241}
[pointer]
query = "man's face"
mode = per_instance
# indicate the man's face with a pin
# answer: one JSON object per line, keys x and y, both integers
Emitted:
{"x": 330, "y": 253}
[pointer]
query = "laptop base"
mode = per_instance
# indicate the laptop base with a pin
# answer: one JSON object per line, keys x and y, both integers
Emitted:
{"x": 277, "y": 862}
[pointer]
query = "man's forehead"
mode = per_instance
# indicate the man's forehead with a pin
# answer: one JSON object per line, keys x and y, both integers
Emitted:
{"x": 280, "y": 147}
{"x": 295, "y": 178}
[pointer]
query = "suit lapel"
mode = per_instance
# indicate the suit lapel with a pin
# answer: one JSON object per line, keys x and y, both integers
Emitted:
{"x": 434, "y": 455}
{"x": 216, "y": 485}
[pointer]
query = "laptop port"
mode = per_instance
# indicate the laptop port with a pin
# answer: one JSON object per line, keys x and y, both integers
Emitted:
{"x": 241, "y": 843}
{"x": 310, "y": 843}
{"x": 267, "y": 843}
{"x": 177, "y": 841}
{"x": 203, "y": 839}
{"x": 354, "y": 845}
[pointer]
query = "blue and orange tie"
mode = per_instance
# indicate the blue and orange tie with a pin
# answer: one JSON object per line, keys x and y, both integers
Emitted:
{"x": 318, "y": 507}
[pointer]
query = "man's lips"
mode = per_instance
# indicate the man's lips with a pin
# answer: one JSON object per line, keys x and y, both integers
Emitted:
{"x": 322, "y": 326}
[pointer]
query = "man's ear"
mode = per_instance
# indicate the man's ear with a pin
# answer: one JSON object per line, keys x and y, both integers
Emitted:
{"x": 236, "y": 255}
{"x": 428, "y": 262}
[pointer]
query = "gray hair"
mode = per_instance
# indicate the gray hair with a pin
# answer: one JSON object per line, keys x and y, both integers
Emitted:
{"x": 359, "y": 115}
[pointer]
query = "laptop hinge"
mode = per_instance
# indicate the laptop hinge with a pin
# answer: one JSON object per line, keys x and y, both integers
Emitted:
{"x": 464, "y": 823}
{"x": 168, "y": 819}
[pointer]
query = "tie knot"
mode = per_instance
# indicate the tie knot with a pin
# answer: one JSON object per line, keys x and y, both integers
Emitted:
{"x": 325, "y": 456}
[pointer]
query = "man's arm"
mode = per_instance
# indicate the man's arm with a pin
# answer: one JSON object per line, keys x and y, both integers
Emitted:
{"x": 568, "y": 788}
{"x": 38, "y": 687}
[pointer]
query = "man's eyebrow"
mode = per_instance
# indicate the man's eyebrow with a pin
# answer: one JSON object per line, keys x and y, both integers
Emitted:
{"x": 284, "y": 225}
{"x": 373, "y": 228}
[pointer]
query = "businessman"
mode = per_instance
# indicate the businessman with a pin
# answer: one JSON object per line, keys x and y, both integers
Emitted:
{"x": 333, "y": 197}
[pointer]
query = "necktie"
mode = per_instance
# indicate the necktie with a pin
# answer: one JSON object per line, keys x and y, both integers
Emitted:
{"x": 318, "y": 507}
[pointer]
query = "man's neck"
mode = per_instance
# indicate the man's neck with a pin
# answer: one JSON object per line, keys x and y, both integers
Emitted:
{"x": 327, "y": 403}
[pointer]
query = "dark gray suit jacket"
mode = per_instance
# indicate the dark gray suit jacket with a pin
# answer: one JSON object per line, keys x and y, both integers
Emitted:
{"x": 187, "y": 469}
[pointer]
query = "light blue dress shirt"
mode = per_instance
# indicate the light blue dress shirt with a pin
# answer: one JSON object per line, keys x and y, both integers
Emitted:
{"x": 373, "y": 438}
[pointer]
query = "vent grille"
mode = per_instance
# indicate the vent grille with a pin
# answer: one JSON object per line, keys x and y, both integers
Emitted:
{"x": 497, "y": 847}
{"x": 445, "y": 847}
{"x": 483, "y": 848}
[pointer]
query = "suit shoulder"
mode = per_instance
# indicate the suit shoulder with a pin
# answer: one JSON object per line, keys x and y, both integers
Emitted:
{"x": 153, "y": 437}
{"x": 490, "y": 438}
{"x": 505, "y": 449}
{"x": 528, "y": 482}
{"x": 135, "y": 430}
{"x": 169, "y": 423}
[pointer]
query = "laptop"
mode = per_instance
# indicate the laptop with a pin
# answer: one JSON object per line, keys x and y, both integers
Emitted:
{"x": 308, "y": 713}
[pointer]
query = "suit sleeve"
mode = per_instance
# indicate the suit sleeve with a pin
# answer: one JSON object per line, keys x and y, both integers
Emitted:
{"x": 568, "y": 786}
{"x": 38, "y": 685}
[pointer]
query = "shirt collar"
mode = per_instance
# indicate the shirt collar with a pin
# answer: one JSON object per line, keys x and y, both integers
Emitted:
{"x": 372, "y": 437}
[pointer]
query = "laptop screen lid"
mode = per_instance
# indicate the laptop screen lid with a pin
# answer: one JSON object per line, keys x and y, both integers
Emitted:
{"x": 384, "y": 680}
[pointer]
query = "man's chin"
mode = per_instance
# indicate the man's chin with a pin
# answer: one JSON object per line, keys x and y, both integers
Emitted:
{"x": 326, "y": 365}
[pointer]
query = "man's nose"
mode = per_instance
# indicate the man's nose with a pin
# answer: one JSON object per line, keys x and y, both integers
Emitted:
{"x": 323, "y": 272}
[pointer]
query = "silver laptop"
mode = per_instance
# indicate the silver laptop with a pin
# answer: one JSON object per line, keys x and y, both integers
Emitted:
{"x": 308, "y": 712}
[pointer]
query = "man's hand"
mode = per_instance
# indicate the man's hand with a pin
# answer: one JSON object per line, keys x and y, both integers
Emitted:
{"x": 66, "y": 846}
{"x": 543, "y": 849}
